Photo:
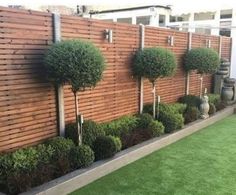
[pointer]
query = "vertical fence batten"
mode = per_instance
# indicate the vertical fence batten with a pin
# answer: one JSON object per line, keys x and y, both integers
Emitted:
{"x": 60, "y": 88}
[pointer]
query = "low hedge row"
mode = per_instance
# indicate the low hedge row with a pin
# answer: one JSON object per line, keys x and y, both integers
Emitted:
{"x": 170, "y": 115}
{"x": 25, "y": 168}
{"x": 32, "y": 166}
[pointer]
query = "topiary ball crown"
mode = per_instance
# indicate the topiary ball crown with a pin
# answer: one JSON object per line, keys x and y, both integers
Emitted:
{"x": 204, "y": 60}
{"x": 76, "y": 62}
{"x": 153, "y": 63}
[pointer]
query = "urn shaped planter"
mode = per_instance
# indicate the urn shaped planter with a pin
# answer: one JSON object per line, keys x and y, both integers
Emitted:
{"x": 227, "y": 93}
{"x": 204, "y": 107}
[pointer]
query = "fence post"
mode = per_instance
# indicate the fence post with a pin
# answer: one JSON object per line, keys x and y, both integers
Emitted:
{"x": 142, "y": 35}
{"x": 220, "y": 46}
{"x": 60, "y": 90}
{"x": 187, "y": 74}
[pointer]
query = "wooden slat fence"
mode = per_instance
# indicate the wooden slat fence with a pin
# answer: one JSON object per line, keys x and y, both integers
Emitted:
{"x": 28, "y": 106}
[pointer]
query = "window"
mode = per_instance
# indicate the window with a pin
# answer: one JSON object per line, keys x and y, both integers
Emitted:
{"x": 185, "y": 27}
{"x": 179, "y": 19}
{"x": 204, "y": 16}
{"x": 125, "y": 20}
{"x": 206, "y": 31}
{"x": 108, "y": 20}
{"x": 224, "y": 14}
{"x": 162, "y": 19}
{"x": 172, "y": 19}
{"x": 145, "y": 20}
{"x": 225, "y": 28}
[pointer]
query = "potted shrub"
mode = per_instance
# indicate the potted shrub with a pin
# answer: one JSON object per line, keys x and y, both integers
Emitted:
{"x": 204, "y": 60}
{"x": 153, "y": 63}
{"x": 77, "y": 63}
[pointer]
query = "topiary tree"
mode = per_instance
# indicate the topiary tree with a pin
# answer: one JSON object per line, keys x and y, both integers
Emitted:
{"x": 204, "y": 60}
{"x": 153, "y": 63}
{"x": 77, "y": 63}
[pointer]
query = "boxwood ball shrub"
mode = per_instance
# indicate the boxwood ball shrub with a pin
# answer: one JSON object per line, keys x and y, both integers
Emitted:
{"x": 104, "y": 147}
{"x": 156, "y": 128}
{"x": 91, "y": 131}
{"x": 204, "y": 60}
{"x": 117, "y": 142}
{"x": 81, "y": 156}
{"x": 75, "y": 62}
{"x": 190, "y": 100}
{"x": 172, "y": 121}
{"x": 214, "y": 98}
{"x": 121, "y": 126}
{"x": 191, "y": 114}
{"x": 153, "y": 63}
{"x": 144, "y": 120}
{"x": 62, "y": 148}
{"x": 212, "y": 109}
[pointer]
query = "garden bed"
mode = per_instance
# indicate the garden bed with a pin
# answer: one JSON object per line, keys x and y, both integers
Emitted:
{"x": 82, "y": 177}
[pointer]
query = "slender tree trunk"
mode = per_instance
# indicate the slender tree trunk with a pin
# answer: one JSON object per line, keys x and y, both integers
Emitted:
{"x": 77, "y": 119}
{"x": 141, "y": 96}
{"x": 187, "y": 83}
{"x": 154, "y": 99}
{"x": 201, "y": 78}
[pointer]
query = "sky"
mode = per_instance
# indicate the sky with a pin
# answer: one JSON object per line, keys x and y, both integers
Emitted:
{"x": 178, "y": 6}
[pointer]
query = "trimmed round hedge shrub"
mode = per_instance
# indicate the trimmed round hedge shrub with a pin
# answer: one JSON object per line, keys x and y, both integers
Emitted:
{"x": 191, "y": 114}
{"x": 178, "y": 107}
{"x": 156, "y": 128}
{"x": 91, "y": 131}
{"x": 81, "y": 156}
{"x": 171, "y": 121}
{"x": 214, "y": 98}
{"x": 212, "y": 109}
{"x": 121, "y": 126}
{"x": 190, "y": 100}
{"x": 60, "y": 145}
{"x": 104, "y": 147}
{"x": 153, "y": 63}
{"x": 117, "y": 142}
{"x": 144, "y": 120}
{"x": 62, "y": 148}
{"x": 204, "y": 60}
{"x": 71, "y": 132}
{"x": 76, "y": 62}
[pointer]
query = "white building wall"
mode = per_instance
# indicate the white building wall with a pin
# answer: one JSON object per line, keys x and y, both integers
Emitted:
{"x": 153, "y": 12}
{"x": 233, "y": 54}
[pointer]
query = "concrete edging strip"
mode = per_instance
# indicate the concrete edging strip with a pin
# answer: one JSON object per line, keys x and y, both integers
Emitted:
{"x": 82, "y": 177}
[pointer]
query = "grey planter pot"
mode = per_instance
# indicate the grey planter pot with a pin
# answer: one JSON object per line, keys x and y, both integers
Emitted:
{"x": 227, "y": 93}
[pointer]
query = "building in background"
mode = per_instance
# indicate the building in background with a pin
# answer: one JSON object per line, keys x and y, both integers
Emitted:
{"x": 218, "y": 22}
{"x": 154, "y": 15}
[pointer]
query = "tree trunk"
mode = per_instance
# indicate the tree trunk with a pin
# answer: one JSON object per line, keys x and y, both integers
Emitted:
{"x": 201, "y": 85}
{"x": 77, "y": 119}
{"x": 154, "y": 99}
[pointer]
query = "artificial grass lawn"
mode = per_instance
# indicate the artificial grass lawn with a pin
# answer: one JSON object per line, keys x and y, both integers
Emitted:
{"x": 203, "y": 163}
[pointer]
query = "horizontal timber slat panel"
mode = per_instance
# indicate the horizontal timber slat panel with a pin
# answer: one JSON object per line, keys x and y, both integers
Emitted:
{"x": 28, "y": 110}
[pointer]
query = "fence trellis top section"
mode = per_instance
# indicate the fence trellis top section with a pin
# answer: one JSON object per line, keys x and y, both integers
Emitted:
{"x": 28, "y": 106}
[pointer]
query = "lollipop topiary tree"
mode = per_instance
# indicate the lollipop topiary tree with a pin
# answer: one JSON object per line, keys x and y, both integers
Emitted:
{"x": 204, "y": 60}
{"x": 77, "y": 63}
{"x": 153, "y": 63}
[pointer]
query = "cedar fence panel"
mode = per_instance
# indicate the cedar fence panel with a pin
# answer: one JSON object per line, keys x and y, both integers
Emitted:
{"x": 28, "y": 106}
{"x": 27, "y": 100}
